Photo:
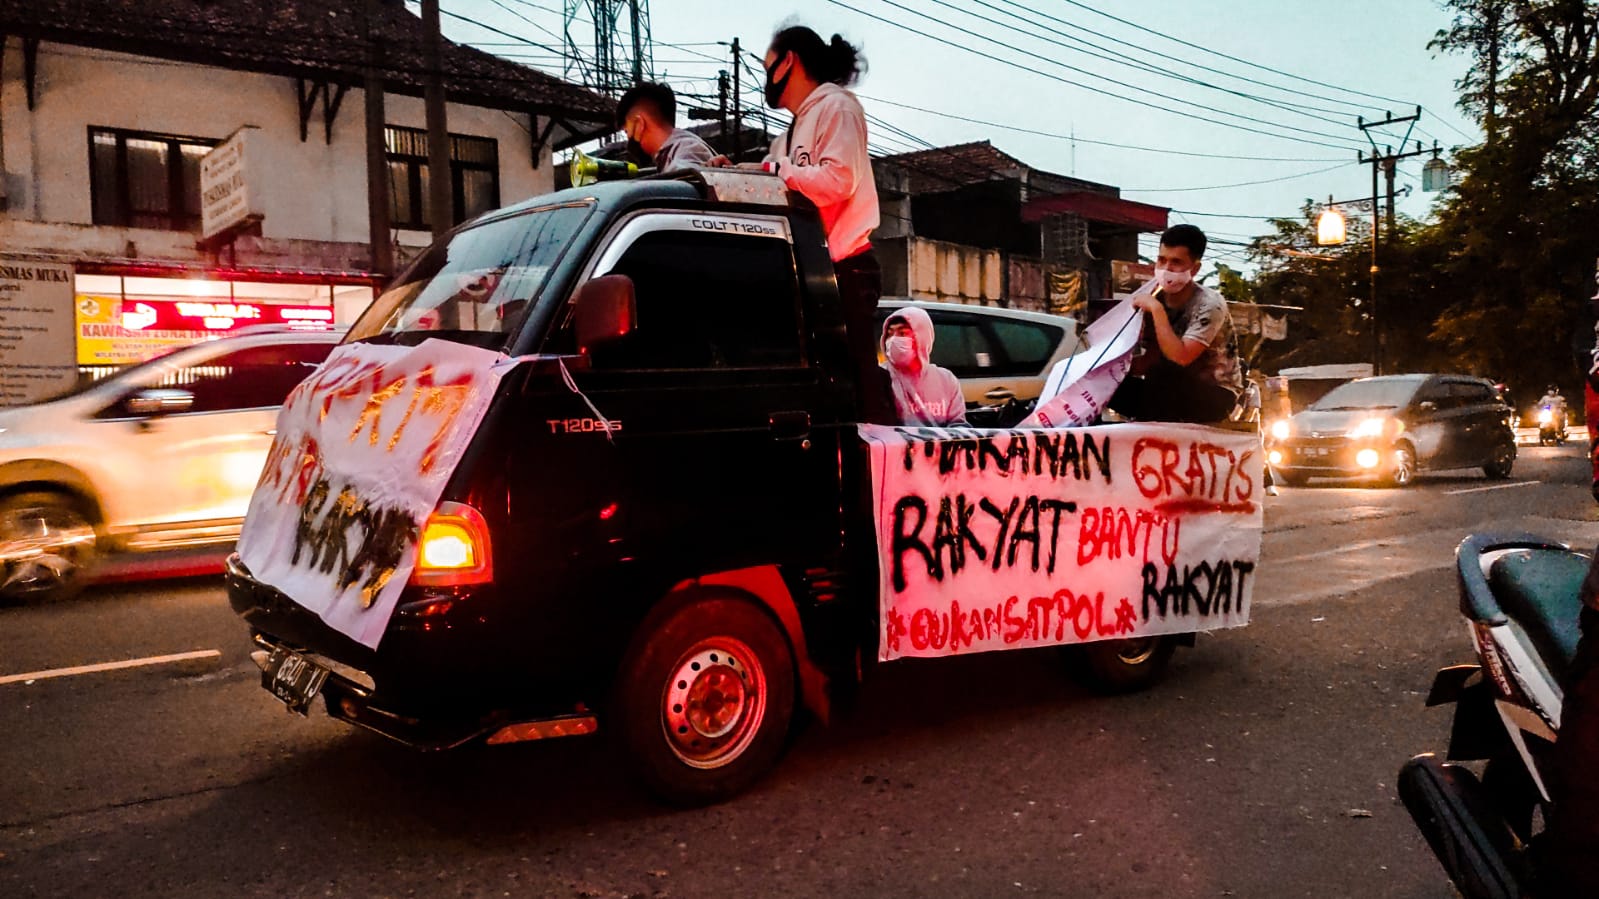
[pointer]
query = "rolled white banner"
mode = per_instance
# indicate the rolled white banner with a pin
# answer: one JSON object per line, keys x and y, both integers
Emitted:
{"x": 1078, "y": 387}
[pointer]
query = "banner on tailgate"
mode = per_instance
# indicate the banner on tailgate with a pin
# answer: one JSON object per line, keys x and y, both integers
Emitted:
{"x": 363, "y": 450}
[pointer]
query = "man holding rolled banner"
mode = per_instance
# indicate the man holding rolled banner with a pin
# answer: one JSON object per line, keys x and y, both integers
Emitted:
{"x": 1189, "y": 370}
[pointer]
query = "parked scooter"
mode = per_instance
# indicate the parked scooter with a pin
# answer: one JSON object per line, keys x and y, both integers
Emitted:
{"x": 1519, "y": 595}
{"x": 1551, "y": 426}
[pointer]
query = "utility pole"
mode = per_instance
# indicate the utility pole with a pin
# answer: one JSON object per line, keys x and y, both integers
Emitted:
{"x": 721, "y": 102}
{"x": 738, "y": 107}
{"x": 377, "y": 163}
{"x": 1388, "y": 161}
{"x": 1494, "y": 12}
{"x": 440, "y": 187}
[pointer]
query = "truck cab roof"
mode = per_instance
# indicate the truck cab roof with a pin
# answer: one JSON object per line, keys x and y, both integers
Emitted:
{"x": 738, "y": 186}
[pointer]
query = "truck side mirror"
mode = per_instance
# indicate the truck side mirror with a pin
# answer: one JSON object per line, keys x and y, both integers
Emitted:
{"x": 606, "y": 311}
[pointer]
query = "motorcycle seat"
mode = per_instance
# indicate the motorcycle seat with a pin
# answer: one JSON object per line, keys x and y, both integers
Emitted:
{"x": 1538, "y": 589}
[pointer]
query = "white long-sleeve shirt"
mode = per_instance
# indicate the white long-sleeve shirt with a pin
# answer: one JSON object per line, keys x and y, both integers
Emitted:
{"x": 828, "y": 162}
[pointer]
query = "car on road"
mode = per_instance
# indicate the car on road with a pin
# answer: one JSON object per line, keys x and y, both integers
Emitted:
{"x": 998, "y": 354}
{"x": 1391, "y": 427}
{"x": 160, "y": 455}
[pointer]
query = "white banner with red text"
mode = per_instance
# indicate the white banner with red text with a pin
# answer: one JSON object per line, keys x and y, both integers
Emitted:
{"x": 1080, "y": 386}
{"x": 364, "y": 448}
{"x": 1007, "y": 539}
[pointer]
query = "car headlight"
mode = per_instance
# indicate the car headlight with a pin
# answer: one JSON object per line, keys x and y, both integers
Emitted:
{"x": 1280, "y": 429}
{"x": 1545, "y": 417}
{"x": 1371, "y": 427}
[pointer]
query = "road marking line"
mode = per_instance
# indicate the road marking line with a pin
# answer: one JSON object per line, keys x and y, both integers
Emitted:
{"x": 111, "y": 666}
{"x": 1493, "y": 487}
{"x": 1335, "y": 551}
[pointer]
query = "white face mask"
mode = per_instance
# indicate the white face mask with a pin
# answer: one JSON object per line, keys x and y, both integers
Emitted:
{"x": 1172, "y": 280}
{"x": 901, "y": 351}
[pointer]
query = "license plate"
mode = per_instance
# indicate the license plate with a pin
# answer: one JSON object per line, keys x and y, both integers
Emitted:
{"x": 293, "y": 678}
{"x": 1317, "y": 451}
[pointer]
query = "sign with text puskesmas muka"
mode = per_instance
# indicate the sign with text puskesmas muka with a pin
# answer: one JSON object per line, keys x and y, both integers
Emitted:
{"x": 1007, "y": 539}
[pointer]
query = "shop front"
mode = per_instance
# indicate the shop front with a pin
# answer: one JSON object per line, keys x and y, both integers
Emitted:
{"x": 123, "y": 316}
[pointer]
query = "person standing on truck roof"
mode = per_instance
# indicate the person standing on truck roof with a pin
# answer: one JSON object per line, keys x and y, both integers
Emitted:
{"x": 924, "y": 393}
{"x": 647, "y": 114}
{"x": 823, "y": 155}
{"x": 1193, "y": 375}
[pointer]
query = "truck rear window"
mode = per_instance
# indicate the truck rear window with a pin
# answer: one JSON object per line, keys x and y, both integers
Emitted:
{"x": 476, "y": 287}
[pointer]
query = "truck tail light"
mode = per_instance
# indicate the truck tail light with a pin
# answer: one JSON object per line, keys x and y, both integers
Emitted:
{"x": 454, "y": 548}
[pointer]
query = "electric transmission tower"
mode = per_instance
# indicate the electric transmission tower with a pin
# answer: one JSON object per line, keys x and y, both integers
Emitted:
{"x": 622, "y": 52}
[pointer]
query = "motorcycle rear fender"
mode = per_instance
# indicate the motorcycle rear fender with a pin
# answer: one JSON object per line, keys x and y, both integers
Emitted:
{"x": 1477, "y": 731}
{"x": 1449, "y": 683}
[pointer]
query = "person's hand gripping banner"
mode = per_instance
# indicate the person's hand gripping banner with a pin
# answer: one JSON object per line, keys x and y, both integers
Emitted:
{"x": 1079, "y": 387}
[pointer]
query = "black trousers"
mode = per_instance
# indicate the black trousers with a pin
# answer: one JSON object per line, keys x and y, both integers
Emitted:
{"x": 1566, "y": 855}
{"x": 1169, "y": 393}
{"x": 860, "y": 286}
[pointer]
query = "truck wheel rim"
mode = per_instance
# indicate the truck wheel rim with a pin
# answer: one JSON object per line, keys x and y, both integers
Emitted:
{"x": 1404, "y": 467}
{"x": 1137, "y": 652}
{"x": 41, "y": 548}
{"x": 714, "y": 703}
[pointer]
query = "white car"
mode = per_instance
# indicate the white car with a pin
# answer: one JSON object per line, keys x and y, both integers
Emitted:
{"x": 160, "y": 455}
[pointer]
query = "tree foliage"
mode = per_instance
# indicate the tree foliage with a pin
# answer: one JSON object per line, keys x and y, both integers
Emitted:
{"x": 1495, "y": 283}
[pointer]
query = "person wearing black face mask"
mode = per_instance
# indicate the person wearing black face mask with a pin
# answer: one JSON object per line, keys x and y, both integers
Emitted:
{"x": 823, "y": 155}
{"x": 647, "y": 114}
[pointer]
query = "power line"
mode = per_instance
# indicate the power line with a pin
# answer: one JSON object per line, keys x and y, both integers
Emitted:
{"x": 1016, "y": 65}
{"x": 1174, "y": 190}
{"x": 513, "y": 12}
{"x": 1185, "y": 62}
{"x": 1451, "y": 126}
{"x": 1285, "y": 106}
{"x": 1098, "y": 143}
{"x": 1227, "y": 56}
{"x": 1091, "y": 74}
{"x": 471, "y": 21}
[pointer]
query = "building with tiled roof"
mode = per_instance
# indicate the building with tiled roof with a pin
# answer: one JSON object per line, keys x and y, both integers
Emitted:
{"x": 108, "y": 107}
{"x": 319, "y": 40}
{"x": 971, "y": 223}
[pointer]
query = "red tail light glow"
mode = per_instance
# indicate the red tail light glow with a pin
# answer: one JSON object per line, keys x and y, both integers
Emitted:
{"x": 453, "y": 550}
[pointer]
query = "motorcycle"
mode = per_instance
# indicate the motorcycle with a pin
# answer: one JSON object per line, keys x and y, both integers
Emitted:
{"x": 1551, "y": 426}
{"x": 1519, "y": 596}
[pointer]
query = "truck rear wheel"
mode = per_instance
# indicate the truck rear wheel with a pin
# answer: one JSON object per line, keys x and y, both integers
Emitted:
{"x": 1121, "y": 666}
{"x": 705, "y": 699}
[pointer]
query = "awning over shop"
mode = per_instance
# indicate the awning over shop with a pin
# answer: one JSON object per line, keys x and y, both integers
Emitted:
{"x": 1098, "y": 207}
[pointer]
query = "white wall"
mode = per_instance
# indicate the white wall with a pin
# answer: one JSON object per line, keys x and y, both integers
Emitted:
{"x": 310, "y": 191}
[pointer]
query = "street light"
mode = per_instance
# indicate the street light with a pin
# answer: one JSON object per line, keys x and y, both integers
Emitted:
{"x": 1330, "y": 225}
{"x": 1435, "y": 175}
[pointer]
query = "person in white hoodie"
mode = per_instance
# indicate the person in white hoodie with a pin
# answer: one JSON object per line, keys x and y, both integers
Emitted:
{"x": 924, "y": 393}
{"x": 823, "y": 155}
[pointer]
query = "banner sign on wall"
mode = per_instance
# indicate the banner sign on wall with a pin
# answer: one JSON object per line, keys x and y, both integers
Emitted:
{"x": 363, "y": 450}
{"x": 35, "y": 330}
{"x": 227, "y": 200}
{"x": 1007, "y": 539}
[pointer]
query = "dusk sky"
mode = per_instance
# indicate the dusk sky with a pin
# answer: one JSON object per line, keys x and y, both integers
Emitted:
{"x": 1288, "y": 79}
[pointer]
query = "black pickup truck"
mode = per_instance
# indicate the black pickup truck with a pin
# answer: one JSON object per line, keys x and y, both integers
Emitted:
{"x": 657, "y": 521}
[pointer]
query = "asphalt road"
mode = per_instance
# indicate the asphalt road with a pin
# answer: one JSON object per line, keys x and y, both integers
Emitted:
{"x": 1263, "y": 767}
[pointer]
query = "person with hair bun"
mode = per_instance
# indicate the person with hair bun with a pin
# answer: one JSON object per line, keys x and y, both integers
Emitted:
{"x": 823, "y": 155}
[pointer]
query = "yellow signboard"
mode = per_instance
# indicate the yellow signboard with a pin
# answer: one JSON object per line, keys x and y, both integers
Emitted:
{"x": 113, "y": 333}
